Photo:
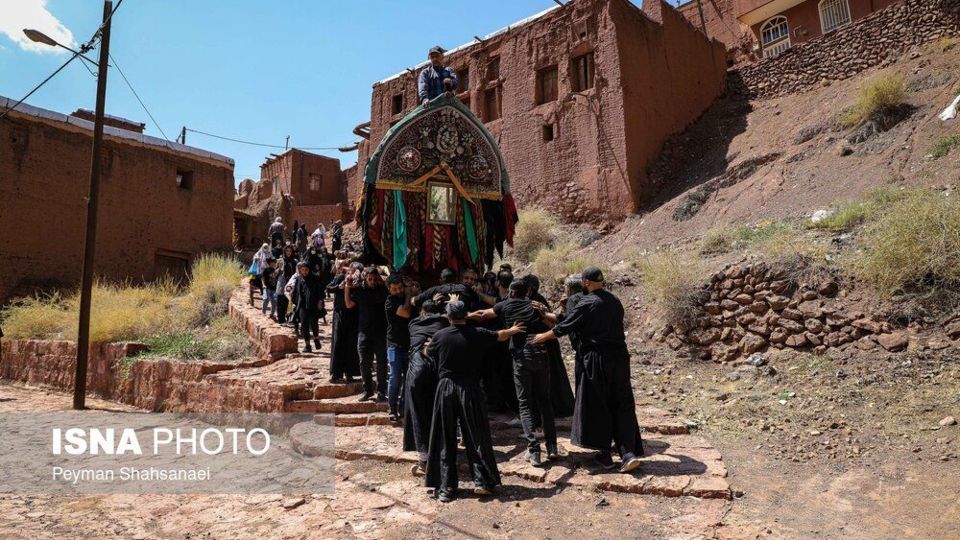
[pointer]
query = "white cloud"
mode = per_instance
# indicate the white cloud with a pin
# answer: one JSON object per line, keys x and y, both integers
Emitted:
{"x": 20, "y": 14}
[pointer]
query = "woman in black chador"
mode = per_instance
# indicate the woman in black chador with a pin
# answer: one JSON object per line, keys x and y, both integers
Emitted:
{"x": 344, "y": 360}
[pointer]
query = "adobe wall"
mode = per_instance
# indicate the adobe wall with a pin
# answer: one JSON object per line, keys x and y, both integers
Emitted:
{"x": 586, "y": 173}
{"x": 316, "y": 214}
{"x": 851, "y": 49}
{"x": 672, "y": 76}
{"x": 44, "y": 171}
{"x": 804, "y": 18}
{"x": 722, "y": 24}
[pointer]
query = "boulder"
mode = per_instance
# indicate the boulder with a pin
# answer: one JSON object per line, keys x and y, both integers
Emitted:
{"x": 758, "y": 307}
{"x": 797, "y": 340}
{"x": 791, "y": 325}
{"x": 712, "y": 308}
{"x": 893, "y": 342}
{"x": 752, "y": 343}
{"x": 814, "y": 325}
{"x": 866, "y": 324}
{"x": 810, "y": 309}
{"x": 779, "y": 335}
{"x": 743, "y": 299}
{"x": 792, "y": 314}
{"x": 777, "y": 302}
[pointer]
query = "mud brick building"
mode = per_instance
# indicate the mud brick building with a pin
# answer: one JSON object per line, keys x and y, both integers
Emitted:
{"x": 754, "y": 29}
{"x": 579, "y": 97}
{"x": 296, "y": 186}
{"x": 161, "y": 203}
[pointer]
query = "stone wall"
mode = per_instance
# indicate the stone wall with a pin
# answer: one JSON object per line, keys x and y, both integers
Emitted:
{"x": 750, "y": 307}
{"x": 871, "y": 41}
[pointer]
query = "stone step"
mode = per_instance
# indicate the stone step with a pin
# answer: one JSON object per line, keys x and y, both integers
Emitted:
{"x": 348, "y": 405}
{"x": 335, "y": 391}
{"x": 362, "y": 420}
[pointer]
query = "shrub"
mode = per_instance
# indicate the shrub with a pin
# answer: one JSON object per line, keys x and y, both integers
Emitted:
{"x": 720, "y": 239}
{"x": 536, "y": 230}
{"x": 883, "y": 92}
{"x": 844, "y": 217}
{"x": 674, "y": 283}
{"x": 212, "y": 281}
{"x": 37, "y": 317}
{"x": 557, "y": 262}
{"x": 943, "y": 146}
{"x": 914, "y": 244}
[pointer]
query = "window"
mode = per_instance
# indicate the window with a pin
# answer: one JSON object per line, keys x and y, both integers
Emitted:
{"x": 492, "y": 104}
{"x": 443, "y": 204}
{"x": 184, "y": 179}
{"x": 582, "y": 73}
{"x": 548, "y": 133}
{"x": 397, "y": 106}
{"x": 315, "y": 180}
{"x": 463, "y": 79}
{"x": 833, "y": 14}
{"x": 493, "y": 69}
{"x": 775, "y": 36}
{"x": 546, "y": 85}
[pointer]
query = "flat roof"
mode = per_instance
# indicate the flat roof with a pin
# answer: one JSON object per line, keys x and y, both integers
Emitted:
{"x": 474, "y": 43}
{"x": 146, "y": 140}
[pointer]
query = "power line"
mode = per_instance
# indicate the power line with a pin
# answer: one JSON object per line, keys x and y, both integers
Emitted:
{"x": 37, "y": 87}
{"x": 265, "y": 145}
{"x": 86, "y": 47}
{"x": 142, "y": 104}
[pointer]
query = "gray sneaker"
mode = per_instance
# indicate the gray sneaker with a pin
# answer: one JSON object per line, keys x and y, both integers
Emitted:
{"x": 534, "y": 458}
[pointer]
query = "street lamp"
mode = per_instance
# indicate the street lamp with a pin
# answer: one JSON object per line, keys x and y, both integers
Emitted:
{"x": 37, "y": 36}
{"x": 92, "y": 201}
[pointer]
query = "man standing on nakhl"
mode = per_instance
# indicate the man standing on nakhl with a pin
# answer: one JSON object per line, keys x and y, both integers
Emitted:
{"x": 605, "y": 411}
{"x": 435, "y": 79}
{"x": 457, "y": 353}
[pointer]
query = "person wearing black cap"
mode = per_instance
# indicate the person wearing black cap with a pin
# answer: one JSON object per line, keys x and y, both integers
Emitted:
{"x": 435, "y": 79}
{"x": 457, "y": 353}
{"x": 531, "y": 368}
{"x": 421, "y": 383}
{"x": 605, "y": 410}
{"x": 371, "y": 331}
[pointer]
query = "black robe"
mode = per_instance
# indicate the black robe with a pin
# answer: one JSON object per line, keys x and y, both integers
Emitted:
{"x": 344, "y": 359}
{"x": 605, "y": 411}
{"x": 458, "y": 352}
{"x": 420, "y": 385}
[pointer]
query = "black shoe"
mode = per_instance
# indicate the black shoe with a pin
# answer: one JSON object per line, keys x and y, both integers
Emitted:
{"x": 307, "y": 349}
{"x": 394, "y": 416}
{"x": 534, "y": 458}
{"x": 381, "y": 397}
{"x": 552, "y": 452}
{"x": 366, "y": 396}
{"x": 350, "y": 379}
{"x": 446, "y": 495}
{"x": 336, "y": 380}
{"x": 605, "y": 460}
{"x": 316, "y": 343}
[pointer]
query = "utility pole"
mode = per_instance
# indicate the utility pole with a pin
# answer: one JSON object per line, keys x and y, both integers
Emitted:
{"x": 93, "y": 199}
{"x": 183, "y": 135}
{"x": 286, "y": 145}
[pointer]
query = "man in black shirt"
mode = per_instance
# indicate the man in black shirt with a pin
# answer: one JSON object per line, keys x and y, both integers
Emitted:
{"x": 371, "y": 331}
{"x": 309, "y": 296}
{"x": 344, "y": 359}
{"x": 457, "y": 352}
{"x": 531, "y": 368}
{"x": 420, "y": 385}
{"x": 399, "y": 312}
{"x": 449, "y": 286}
{"x": 605, "y": 411}
{"x": 561, "y": 395}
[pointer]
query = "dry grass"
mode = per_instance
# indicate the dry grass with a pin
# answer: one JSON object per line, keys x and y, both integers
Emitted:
{"x": 883, "y": 92}
{"x": 536, "y": 230}
{"x": 673, "y": 282}
{"x": 126, "y": 312}
{"x": 913, "y": 245}
{"x": 556, "y": 262}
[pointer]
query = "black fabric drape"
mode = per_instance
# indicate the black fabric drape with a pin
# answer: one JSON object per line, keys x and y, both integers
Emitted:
{"x": 605, "y": 411}
{"x": 419, "y": 392}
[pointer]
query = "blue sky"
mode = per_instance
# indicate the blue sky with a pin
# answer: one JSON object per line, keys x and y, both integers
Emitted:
{"x": 257, "y": 70}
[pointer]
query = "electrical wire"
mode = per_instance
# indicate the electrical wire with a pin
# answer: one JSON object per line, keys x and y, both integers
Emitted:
{"x": 37, "y": 87}
{"x": 265, "y": 145}
{"x": 142, "y": 104}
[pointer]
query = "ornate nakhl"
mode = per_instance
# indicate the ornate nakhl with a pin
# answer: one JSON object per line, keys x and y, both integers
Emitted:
{"x": 443, "y": 135}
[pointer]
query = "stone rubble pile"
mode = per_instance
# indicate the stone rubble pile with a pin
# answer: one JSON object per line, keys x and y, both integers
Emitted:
{"x": 750, "y": 307}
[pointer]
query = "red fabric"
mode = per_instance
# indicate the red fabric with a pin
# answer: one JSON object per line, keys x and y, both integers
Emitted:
{"x": 511, "y": 216}
{"x": 428, "y": 247}
{"x": 451, "y": 256}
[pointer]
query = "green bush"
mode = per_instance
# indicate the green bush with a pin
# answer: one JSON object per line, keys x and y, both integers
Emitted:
{"x": 673, "y": 282}
{"x": 914, "y": 243}
{"x": 944, "y": 145}
{"x": 536, "y": 230}
{"x": 557, "y": 262}
{"x": 882, "y": 92}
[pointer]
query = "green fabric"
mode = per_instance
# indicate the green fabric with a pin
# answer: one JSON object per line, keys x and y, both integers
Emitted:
{"x": 399, "y": 231}
{"x": 471, "y": 232}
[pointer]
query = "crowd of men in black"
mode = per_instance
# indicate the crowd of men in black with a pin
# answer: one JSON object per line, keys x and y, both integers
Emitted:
{"x": 444, "y": 357}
